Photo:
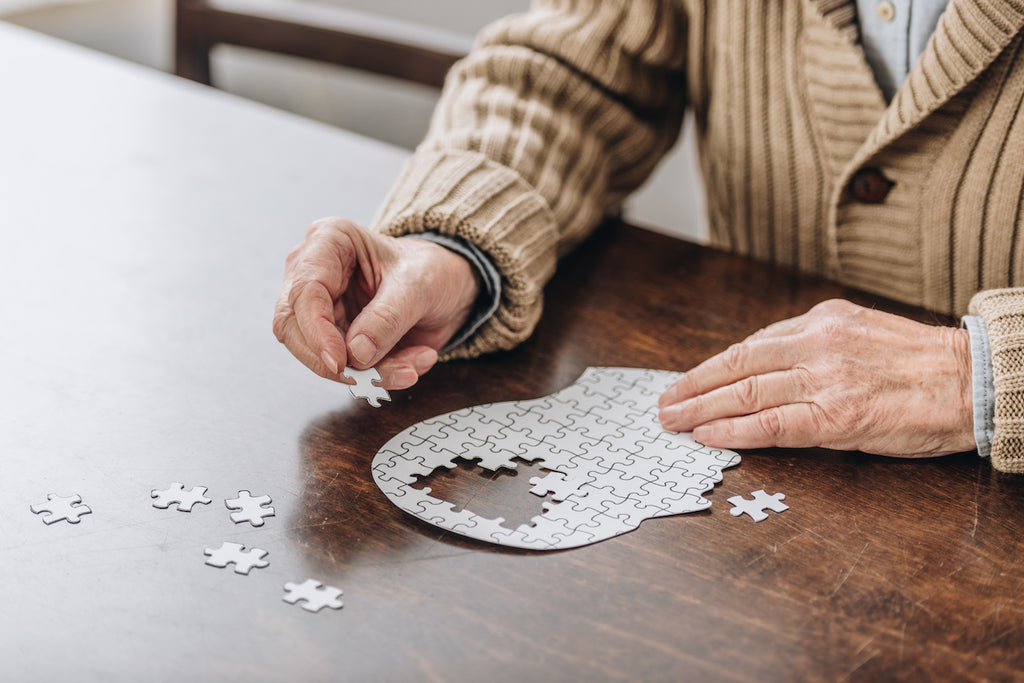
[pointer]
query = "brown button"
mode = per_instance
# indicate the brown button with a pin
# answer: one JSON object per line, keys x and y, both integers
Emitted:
{"x": 870, "y": 186}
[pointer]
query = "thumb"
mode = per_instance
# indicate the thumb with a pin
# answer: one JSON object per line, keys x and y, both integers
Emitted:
{"x": 382, "y": 323}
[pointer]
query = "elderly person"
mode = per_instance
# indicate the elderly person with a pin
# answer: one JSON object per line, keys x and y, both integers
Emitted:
{"x": 874, "y": 143}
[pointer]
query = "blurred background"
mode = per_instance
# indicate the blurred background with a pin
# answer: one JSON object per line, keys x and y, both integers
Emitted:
{"x": 393, "y": 111}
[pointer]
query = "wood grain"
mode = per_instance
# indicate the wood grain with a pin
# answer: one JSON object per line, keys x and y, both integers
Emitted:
{"x": 145, "y": 230}
{"x": 882, "y": 568}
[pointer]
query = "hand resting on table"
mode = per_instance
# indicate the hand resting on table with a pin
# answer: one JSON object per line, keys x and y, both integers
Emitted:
{"x": 841, "y": 377}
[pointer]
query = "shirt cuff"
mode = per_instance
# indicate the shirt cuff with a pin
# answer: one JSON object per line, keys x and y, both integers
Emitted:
{"x": 490, "y": 294}
{"x": 982, "y": 384}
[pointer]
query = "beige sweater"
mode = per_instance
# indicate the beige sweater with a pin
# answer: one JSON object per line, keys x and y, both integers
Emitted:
{"x": 559, "y": 113}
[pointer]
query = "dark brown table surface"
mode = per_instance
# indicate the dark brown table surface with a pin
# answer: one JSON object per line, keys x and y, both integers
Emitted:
{"x": 138, "y": 284}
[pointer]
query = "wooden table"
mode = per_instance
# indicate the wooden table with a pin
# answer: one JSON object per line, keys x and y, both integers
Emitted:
{"x": 144, "y": 225}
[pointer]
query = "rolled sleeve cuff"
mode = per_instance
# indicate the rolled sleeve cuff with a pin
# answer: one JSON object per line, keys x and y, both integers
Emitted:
{"x": 490, "y": 280}
{"x": 982, "y": 383}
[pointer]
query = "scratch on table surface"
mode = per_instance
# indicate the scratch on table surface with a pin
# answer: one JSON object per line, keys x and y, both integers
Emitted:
{"x": 849, "y": 571}
{"x": 864, "y": 660}
{"x": 919, "y": 604}
{"x": 974, "y": 529}
{"x": 903, "y": 640}
{"x": 776, "y": 546}
{"x": 999, "y": 636}
{"x": 333, "y": 479}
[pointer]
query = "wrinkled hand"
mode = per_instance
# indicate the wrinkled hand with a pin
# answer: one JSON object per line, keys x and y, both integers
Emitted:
{"x": 840, "y": 376}
{"x": 355, "y": 297}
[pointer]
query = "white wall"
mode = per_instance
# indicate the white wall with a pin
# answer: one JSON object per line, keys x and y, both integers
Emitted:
{"x": 141, "y": 30}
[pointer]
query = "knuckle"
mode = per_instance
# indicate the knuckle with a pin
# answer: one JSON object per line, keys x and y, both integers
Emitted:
{"x": 832, "y": 307}
{"x": 685, "y": 386}
{"x": 388, "y": 317}
{"x": 747, "y": 391}
{"x": 735, "y": 357}
{"x": 759, "y": 334}
{"x": 804, "y": 379}
{"x": 331, "y": 229}
{"x": 294, "y": 293}
{"x": 295, "y": 253}
{"x": 837, "y": 319}
{"x": 698, "y": 407}
{"x": 820, "y": 418}
{"x": 281, "y": 317}
{"x": 280, "y": 329}
{"x": 770, "y": 422}
{"x": 830, "y": 333}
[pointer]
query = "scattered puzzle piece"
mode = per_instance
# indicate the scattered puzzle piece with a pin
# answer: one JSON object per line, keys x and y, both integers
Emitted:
{"x": 236, "y": 554}
{"x": 315, "y": 595}
{"x": 610, "y": 464}
{"x": 61, "y": 508}
{"x": 366, "y": 385}
{"x": 176, "y": 493}
{"x": 756, "y": 507}
{"x": 249, "y": 508}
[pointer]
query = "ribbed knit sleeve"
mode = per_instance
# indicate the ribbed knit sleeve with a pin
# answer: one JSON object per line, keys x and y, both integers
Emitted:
{"x": 541, "y": 131}
{"x": 1003, "y": 313}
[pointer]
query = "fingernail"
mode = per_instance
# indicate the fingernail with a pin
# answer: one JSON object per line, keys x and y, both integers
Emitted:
{"x": 331, "y": 364}
{"x": 362, "y": 349}
{"x": 404, "y": 378}
{"x": 424, "y": 361}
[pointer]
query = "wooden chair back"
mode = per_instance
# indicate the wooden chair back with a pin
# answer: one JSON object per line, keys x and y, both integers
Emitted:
{"x": 318, "y": 32}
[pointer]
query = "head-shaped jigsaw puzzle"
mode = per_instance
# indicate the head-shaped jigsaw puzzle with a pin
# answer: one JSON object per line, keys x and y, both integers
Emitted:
{"x": 610, "y": 464}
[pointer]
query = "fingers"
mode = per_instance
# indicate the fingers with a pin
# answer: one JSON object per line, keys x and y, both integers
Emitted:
{"x": 316, "y": 316}
{"x": 796, "y": 425}
{"x": 352, "y": 297}
{"x": 404, "y": 367}
{"x": 307, "y": 314}
{"x": 382, "y": 323}
{"x": 745, "y": 359}
{"x": 781, "y": 328}
{"x": 744, "y": 397}
{"x": 320, "y": 357}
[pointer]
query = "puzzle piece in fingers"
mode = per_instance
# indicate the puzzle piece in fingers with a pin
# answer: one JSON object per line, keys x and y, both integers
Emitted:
{"x": 176, "y": 494}
{"x": 756, "y": 508}
{"x": 61, "y": 509}
{"x": 367, "y": 385}
{"x": 609, "y": 463}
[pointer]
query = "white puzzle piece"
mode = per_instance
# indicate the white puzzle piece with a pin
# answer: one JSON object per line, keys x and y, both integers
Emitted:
{"x": 313, "y": 595}
{"x": 756, "y": 507}
{"x": 236, "y": 554}
{"x": 610, "y": 463}
{"x": 61, "y": 509}
{"x": 176, "y": 493}
{"x": 249, "y": 508}
{"x": 367, "y": 386}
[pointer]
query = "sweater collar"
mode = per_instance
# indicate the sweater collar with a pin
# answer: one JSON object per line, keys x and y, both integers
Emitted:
{"x": 970, "y": 35}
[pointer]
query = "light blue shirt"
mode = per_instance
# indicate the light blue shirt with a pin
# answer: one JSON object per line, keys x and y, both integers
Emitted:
{"x": 894, "y": 34}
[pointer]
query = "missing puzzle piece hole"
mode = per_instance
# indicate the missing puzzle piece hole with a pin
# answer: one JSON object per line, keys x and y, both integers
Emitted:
{"x": 502, "y": 493}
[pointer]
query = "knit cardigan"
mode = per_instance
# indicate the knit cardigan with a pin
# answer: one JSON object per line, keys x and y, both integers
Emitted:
{"x": 559, "y": 113}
